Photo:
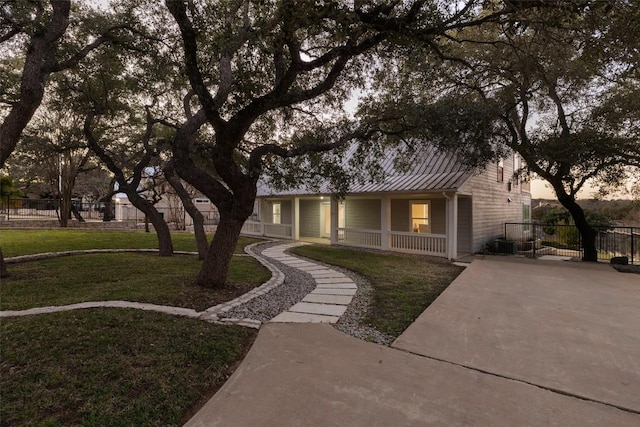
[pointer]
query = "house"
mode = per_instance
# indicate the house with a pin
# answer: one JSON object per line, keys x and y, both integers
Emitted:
{"x": 169, "y": 204}
{"x": 437, "y": 207}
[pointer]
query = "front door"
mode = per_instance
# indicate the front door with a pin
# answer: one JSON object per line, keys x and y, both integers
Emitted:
{"x": 325, "y": 220}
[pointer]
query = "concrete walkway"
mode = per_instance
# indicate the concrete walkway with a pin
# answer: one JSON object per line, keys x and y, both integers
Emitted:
{"x": 510, "y": 342}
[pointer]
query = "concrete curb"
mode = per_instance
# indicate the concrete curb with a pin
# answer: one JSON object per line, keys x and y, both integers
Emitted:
{"x": 176, "y": 311}
{"x": 47, "y": 255}
{"x": 208, "y": 315}
{"x": 277, "y": 278}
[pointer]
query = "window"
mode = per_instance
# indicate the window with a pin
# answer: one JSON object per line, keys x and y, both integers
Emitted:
{"x": 500, "y": 170}
{"x": 201, "y": 201}
{"x": 277, "y": 216}
{"x": 420, "y": 217}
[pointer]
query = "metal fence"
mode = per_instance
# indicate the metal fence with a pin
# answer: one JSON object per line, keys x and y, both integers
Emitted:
{"x": 18, "y": 209}
{"x": 533, "y": 239}
{"x": 47, "y": 209}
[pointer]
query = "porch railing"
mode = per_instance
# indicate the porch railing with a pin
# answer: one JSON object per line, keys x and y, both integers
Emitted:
{"x": 252, "y": 227}
{"x": 359, "y": 237}
{"x": 278, "y": 230}
{"x": 428, "y": 244}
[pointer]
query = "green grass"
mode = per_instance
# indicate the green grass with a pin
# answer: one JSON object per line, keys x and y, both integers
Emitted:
{"x": 112, "y": 367}
{"x": 123, "y": 276}
{"x": 107, "y": 366}
{"x": 403, "y": 285}
{"x": 25, "y": 242}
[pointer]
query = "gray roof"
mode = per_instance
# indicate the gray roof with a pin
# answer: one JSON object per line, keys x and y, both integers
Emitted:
{"x": 429, "y": 170}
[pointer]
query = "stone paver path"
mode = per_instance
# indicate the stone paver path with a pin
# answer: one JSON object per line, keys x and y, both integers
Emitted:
{"x": 333, "y": 293}
{"x": 327, "y": 302}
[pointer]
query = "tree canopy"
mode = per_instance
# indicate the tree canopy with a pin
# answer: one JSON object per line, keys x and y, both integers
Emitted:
{"x": 219, "y": 91}
{"x": 553, "y": 82}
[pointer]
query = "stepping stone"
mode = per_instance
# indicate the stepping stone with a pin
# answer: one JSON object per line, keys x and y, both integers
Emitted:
{"x": 312, "y": 308}
{"x": 296, "y": 264}
{"x": 336, "y": 286}
{"x": 333, "y": 280}
{"x": 328, "y": 299}
{"x": 333, "y": 291}
{"x": 289, "y": 317}
{"x": 327, "y": 274}
{"x": 312, "y": 268}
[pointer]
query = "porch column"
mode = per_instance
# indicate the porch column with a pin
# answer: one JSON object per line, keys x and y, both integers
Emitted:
{"x": 334, "y": 221}
{"x": 295, "y": 230}
{"x": 385, "y": 221}
{"x": 452, "y": 225}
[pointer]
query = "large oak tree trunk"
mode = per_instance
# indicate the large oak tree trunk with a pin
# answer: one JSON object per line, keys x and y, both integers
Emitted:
{"x": 192, "y": 210}
{"x": 215, "y": 267}
{"x": 587, "y": 234}
{"x": 198, "y": 230}
{"x": 3, "y": 266}
{"x": 165, "y": 245}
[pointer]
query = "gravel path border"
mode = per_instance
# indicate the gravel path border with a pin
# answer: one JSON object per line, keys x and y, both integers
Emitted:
{"x": 297, "y": 284}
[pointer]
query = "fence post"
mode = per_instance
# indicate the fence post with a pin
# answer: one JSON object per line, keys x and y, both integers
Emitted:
{"x": 533, "y": 226}
{"x": 633, "y": 249}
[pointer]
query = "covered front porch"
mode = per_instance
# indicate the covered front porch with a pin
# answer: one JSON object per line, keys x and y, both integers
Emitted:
{"x": 437, "y": 224}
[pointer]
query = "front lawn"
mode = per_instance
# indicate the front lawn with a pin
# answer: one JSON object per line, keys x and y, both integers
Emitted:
{"x": 403, "y": 285}
{"x": 140, "y": 277}
{"x": 24, "y": 242}
{"x": 112, "y": 367}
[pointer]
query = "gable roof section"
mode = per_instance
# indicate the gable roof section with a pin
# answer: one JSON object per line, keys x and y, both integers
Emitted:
{"x": 429, "y": 170}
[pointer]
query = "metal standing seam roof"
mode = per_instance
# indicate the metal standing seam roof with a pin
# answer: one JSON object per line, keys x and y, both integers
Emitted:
{"x": 429, "y": 170}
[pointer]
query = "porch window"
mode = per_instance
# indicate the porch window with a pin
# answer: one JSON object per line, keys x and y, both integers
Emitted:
{"x": 277, "y": 215}
{"x": 420, "y": 216}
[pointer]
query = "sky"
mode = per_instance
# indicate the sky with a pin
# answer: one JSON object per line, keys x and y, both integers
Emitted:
{"x": 540, "y": 189}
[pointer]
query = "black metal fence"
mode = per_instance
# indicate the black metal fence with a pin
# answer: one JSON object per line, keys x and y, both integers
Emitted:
{"x": 533, "y": 239}
{"x": 47, "y": 209}
{"x": 16, "y": 209}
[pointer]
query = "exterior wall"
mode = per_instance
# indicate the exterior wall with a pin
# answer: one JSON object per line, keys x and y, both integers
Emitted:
{"x": 286, "y": 211}
{"x": 491, "y": 206}
{"x": 362, "y": 213}
{"x": 400, "y": 215}
{"x": 309, "y": 218}
{"x": 438, "y": 216}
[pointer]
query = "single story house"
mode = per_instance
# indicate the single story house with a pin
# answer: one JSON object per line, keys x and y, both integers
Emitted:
{"x": 437, "y": 207}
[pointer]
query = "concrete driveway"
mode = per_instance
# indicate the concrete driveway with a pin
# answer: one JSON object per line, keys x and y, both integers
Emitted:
{"x": 508, "y": 343}
{"x": 564, "y": 326}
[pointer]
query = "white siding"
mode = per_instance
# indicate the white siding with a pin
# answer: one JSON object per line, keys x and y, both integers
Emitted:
{"x": 491, "y": 207}
{"x": 362, "y": 213}
{"x": 438, "y": 216}
{"x": 310, "y": 218}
